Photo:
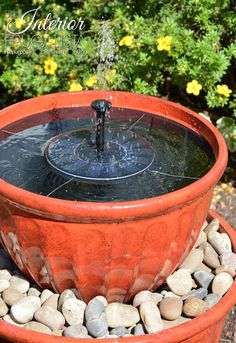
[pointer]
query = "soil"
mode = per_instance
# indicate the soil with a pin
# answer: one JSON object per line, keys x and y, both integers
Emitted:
{"x": 224, "y": 202}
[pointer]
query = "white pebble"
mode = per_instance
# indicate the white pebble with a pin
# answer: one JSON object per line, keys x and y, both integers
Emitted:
{"x": 151, "y": 317}
{"x": 4, "y": 274}
{"x": 20, "y": 284}
{"x": 144, "y": 296}
{"x": 4, "y": 284}
{"x": 180, "y": 282}
{"x": 23, "y": 310}
{"x": 121, "y": 315}
{"x": 221, "y": 283}
{"x": 50, "y": 317}
{"x": 73, "y": 311}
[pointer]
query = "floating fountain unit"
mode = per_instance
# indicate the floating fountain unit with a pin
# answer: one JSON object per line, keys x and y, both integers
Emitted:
{"x": 104, "y": 192}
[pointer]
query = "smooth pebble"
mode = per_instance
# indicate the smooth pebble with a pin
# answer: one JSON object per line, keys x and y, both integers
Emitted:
{"x": 73, "y": 311}
{"x": 23, "y": 310}
{"x": 212, "y": 299}
{"x": 194, "y": 307}
{"x": 20, "y": 284}
{"x": 151, "y": 317}
{"x": 171, "y": 308}
{"x": 220, "y": 242}
{"x": 50, "y": 317}
{"x": 4, "y": 284}
{"x": 76, "y": 331}
{"x": 121, "y": 315}
{"x": 194, "y": 258}
{"x": 146, "y": 296}
{"x": 3, "y": 308}
{"x": 221, "y": 283}
{"x": 180, "y": 282}
{"x": 39, "y": 327}
{"x": 11, "y": 296}
{"x": 203, "y": 278}
{"x": 226, "y": 269}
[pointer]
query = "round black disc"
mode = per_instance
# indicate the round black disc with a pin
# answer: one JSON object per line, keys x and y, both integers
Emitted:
{"x": 74, "y": 154}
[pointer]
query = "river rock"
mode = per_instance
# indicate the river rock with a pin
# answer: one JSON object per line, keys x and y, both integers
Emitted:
{"x": 3, "y": 308}
{"x": 20, "y": 284}
{"x": 167, "y": 324}
{"x": 96, "y": 320}
{"x": 121, "y": 315}
{"x": 139, "y": 330}
{"x": 203, "y": 266}
{"x": 35, "y": 326}
{"x": 220, "y": 242}
{"x": 146, "y": 296}
{"x": 194, "y": 258}
{"x": 52, "y": 301}
{"x": 151, "y": 317}
{"x": 8, "y": 318}
{"x": 46, "y": 293}
{"x": 50, "y": 317}
{"x": 213, "y": 226}
{"x": 224, "y": 268}
{"x": 73, "y": 311}
{"x": 203, "y": 278}
{"x": 171, "y": 308}
{"x": 11, "y": 296}
{"x": 211, "y": 258}
{"x": 76, "y": 331}
{"x": 66, "y": 294}
{"x": 23, "y": 310}
{"x": 202, "y": 238}
{"x": 212, "y": 299}
{"x": 120, "y": 331}
{"x": 199, "y": 293}
{"x": 167, "y": 294}
{"x": 180, "y": 282}
{"x": 221, "y": 283}
{"x": 34, "y": 291}
{"x": 102, "y": 299}
{"x": 194, "y": 307}
{"x": 229, "y": 258}
{"x": 5, "y": 275}
{"x": 4, "y": 284}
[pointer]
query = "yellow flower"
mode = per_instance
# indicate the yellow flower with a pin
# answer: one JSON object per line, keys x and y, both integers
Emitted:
{"x": 127, "y": 40}
{"x": 50, "y": 66}
{"x": 223, "y": 90}
{"x": 91, "y": 81}
{"x": 19, "y": 23}
{"x": 164, "y": 43}
{"x": 75, "y": 86}
{"x": 109, "y": 76}
{"x": 193, "y": 87}
{"x": 51, "y": 41}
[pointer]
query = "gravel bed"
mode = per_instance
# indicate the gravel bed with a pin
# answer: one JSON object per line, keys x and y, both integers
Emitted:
{"x": 200, "y": 282}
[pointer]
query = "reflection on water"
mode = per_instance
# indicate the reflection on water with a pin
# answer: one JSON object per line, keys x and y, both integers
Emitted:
{"x": 179, "y": 157}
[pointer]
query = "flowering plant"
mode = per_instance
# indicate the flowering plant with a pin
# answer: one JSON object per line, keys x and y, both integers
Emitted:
{"x": 184, "y": 50}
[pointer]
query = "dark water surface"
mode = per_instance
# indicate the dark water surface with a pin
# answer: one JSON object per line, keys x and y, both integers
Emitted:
{"x": 161, "y": 155}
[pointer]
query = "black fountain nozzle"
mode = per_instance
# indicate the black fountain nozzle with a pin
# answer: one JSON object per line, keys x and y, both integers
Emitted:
{"x": 100, "y": 106}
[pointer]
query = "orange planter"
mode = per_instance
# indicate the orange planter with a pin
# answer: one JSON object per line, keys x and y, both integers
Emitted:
{"x": 206, "y": 328}
{"x": 113, "y": 249}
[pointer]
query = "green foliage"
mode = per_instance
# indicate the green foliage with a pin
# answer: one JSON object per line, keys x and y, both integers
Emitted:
{"x": 201, "y": 47}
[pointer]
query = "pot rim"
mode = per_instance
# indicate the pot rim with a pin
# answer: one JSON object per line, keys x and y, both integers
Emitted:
{"x": 125, "y": 210}
{"x": 176, "y": 334}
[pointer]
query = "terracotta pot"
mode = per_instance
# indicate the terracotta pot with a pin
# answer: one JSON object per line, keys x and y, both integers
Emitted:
{"x": 113, "y": 249}
{"x": 206, "y": 328}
